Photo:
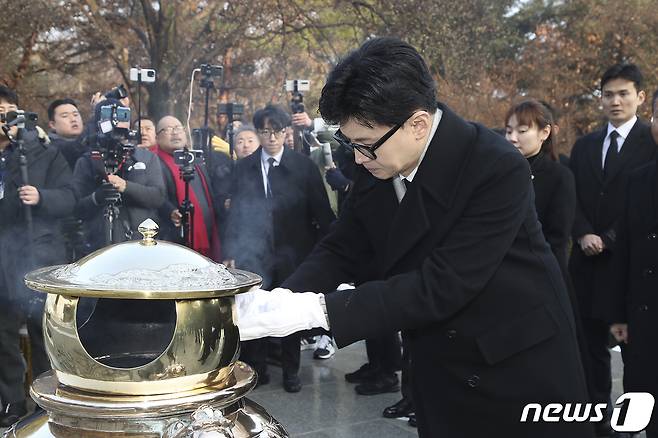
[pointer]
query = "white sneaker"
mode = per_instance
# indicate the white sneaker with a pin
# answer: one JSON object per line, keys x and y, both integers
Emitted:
{"x": 324, "y": 348}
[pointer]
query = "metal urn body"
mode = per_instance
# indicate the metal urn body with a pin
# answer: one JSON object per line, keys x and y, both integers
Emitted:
{"x": 142, "y": 343}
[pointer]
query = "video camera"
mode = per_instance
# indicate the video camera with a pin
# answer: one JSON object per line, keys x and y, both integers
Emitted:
{"x": 187, "y": 157}
{"x": 119, "y": 92}
{"x": 211, "y": 70}
{"x": 296, "y": 86}
{"x": 19, "y": 118}
{"x": 114, "y": 144}
{"x": 234, "y": 111}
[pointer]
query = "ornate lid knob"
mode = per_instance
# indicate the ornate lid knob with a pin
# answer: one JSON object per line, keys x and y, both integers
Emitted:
{"x": 149, "y": 230}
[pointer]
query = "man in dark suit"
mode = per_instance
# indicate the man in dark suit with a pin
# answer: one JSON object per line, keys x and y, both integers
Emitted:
{"x": 634, "y": 310}
{"x": 601, "y": 162}
{"x": 441, "y": 219}
{"x": 279, "y": 209}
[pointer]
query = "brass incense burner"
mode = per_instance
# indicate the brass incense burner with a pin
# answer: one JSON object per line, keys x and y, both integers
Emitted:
{"x": 142, "y": 343}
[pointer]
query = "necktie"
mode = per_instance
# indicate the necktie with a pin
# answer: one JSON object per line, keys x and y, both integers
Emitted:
{"x": 270, "y": 162}
{"x": 612, "y": 156}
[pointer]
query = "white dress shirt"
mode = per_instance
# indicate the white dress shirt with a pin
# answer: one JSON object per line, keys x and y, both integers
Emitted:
{"x": 264, "y": 165}
{"x": 623, "y": 132}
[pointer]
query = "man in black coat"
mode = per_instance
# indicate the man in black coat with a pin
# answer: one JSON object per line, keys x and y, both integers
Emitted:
{"x": 49, "y": 197}
{"x": 441, "y": 218}
{"x": 601, "y": 173}
{"x": 634, "y": 307}
{"x": 66, "y": 129}
{"x": 279, "y": 209}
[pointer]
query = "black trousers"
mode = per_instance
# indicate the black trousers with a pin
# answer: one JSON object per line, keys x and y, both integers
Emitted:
{"x": 12, "y": 364}
{"x": 407, "y": 376}
{"x": 255, "y": 352}
{"x": 596, "y": 335}
{"x": 384, "y": 353}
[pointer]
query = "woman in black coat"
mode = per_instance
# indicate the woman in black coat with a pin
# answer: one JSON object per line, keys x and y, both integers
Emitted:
{"x": 528, "y": 126}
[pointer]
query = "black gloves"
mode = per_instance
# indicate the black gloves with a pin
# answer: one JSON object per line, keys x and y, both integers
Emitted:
{"x": 337, "y": 180}
{"x": 106, "y": 194}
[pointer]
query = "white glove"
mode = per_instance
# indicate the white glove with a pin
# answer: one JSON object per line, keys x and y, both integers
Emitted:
{"x": 278, "y": 313}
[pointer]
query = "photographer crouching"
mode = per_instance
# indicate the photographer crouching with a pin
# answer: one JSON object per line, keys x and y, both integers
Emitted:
{"x": 117, "y": 185}
{"x": 34, "y": 194}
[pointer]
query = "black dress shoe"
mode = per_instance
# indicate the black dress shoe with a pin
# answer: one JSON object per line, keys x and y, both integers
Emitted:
{"x": 412, "y": 420}
{"x": 292, "y": 383}
{"x": 401, "y": 409}
{"x": 12, "y": 413}
{"x": 366, "y": 372}
{"x": 381, "y": 384}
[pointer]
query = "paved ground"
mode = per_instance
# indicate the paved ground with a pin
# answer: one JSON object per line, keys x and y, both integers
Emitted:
{"x": 327, "y": 406}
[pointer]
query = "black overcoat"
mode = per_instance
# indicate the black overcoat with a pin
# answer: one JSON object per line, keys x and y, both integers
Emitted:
{"x": 635, "y": 282}
{"x": 272, "y": 237}
{"x": 462, "y": 268}
{"x": 555, "y": 200}
{"x": 49, "y": 172}
{"x": 600, "y": 202}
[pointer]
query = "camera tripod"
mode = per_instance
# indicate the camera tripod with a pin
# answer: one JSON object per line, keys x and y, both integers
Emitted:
{"x": 186, "y": 208}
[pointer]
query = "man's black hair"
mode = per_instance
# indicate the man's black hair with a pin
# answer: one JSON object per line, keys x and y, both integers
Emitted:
{"x": 143, "y": 117}
{"x": 58, "y": 102}
{"x": 654, "y": 102}
{"x": 274, "y": 115}
{"x": 8, "y": 95}
{"x": 629, "y": 72}
{"x": 382, "y": 82}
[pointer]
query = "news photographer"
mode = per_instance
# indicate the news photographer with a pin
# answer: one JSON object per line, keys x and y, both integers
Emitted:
{"x": 65, "y": 129}
{"x": 185, "y": 219}
{"x": 117, "y": 185}
{"x": 34, "y": 194}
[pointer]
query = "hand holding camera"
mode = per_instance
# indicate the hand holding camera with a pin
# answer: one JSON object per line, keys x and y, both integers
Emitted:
{"x": 302, "y": 120}
{"x": 118, "y": 182}
{"x": 106, "y": 194}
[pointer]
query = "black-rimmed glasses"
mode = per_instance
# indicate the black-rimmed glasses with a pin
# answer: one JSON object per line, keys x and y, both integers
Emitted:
{"x": 366, "y": 151}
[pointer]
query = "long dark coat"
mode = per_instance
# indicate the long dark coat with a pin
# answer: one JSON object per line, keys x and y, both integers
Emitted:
{"x": 272, "y": 237}
{"x": 462, "y": 268}
{"x": 635, "y": 283}
{"x": 600, "y": 203}
{"x": 555, "y": 200}
{"x": 49, "y": 172}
